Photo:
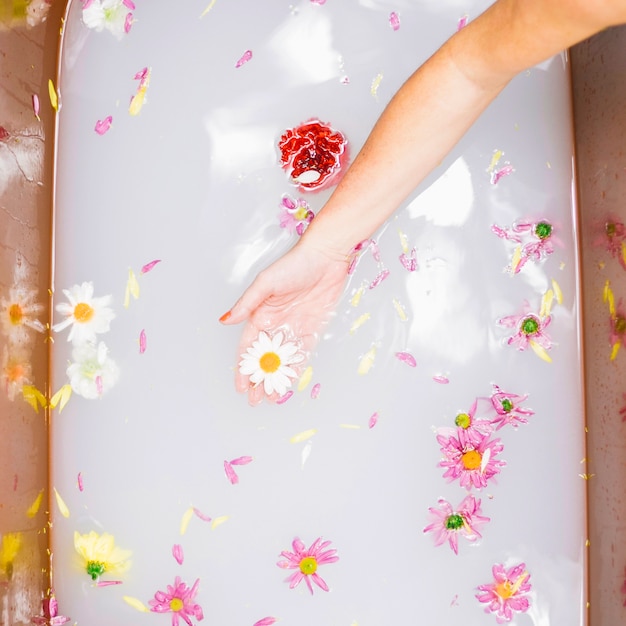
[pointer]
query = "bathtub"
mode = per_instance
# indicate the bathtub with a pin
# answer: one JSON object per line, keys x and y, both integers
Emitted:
{"x": 168, "y": 199}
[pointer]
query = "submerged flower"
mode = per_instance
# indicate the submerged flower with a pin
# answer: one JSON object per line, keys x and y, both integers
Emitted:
{"x": 268, "y": 361}
{"x": 448, "y": 523}
{"x": 613, "y": 238}
{"x": 16, "y": 371}
{"x": 530, "y": 330}
{"x": 114, "y": 15}
{"x": 508, "y": 409}
{"x": 92, "y": 372}
{"x": 536, "y": 241}
{"x": 507, "y": 594}
{"x": 179, "y": 601}
{"x": 19, "y": 313}
{"x": 475, "y": 428}
{"x": 86, "y": 315}
{"x": 306, "y": 562}
{"x": 100, "y": 555}
{"x": 617, "y": 321}
{"x": 470, "y": 457}
{"x": 9, "y": 548}
{"x": 295, "y": 215}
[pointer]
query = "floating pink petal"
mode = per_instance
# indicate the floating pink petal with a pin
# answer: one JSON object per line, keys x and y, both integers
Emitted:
{"x": 102, "y": 126}
{"x": 198, "y": 513}
{"x": 108, "y": 583}
{"x": 409, "y": 262}
{"x": 501, "y": 173}
{"x": 442, "y": 380}
{"x": 241, "y": 460}
{"x": 128, "y": 23}
{"x": 285, "y": 397}
{"x": 99, "y": 385}
{"x": 129, "y": 4}
{"x": 35, "y": 99}
{"x": 373, "y": 420}
{"x": 315, "y": 391}
{"x": 266, "y": 621}
{"x": 379, "y": 279}
{"x": 394, "y": 20}
{"x": 407, "y": 358}
{"x": 230, "y": 473}
{"x": 148, "y": 266}
{"x": 245, "y": 57}
{"x": 142, "y": 341}
{"x": 87, "y": 4}
{"x": 177, "y": 553}
{"x": 462, "y": 22}
{"x": 80, "y": 481}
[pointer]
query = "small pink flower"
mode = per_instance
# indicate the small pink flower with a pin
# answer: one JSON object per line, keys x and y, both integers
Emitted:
{"x": 469, "y": 457}
{"x": 306, "y": 562}
{"x": 507, "y": 594}
{"x": 448, "y": 523}
{"x": 537, "y": 238}
{"x": 530, "y": 327}
{"x": 179, "y": 601}
{"x": 508, "y": 409}
{"x": 295, "y": 215}
{"x": 475, "y": 428}
{"x": 613, "y": 239}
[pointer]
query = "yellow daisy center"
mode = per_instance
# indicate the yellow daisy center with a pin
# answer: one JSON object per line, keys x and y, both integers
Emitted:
{"x": 83, "y": 312}
{"x": 471, "y": 460}
{"x": 176, "y": 604}
{"x": 269, "y": 362}
{"x": 300, "y": 213}
{"x": 308, "y": 565}
{"x": 504, "y": 590}
{"x": 15, "y": 372}
{"x": 16, "y": 314}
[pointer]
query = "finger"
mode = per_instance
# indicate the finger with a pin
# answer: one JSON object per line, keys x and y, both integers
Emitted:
{"x": 250, "y": 300}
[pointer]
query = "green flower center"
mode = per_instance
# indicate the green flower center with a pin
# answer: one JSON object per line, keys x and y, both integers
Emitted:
{"x": 620, "y": 325}
{"x": 308, "y": 565}
{"x": 530, "y": 325}
{"x": 507, "y": 405}
{"x": 95, "y": 569}
{"x": 463, "y": 420}
{"x": 454, "y": 522}
{"x": 610, "y": 229}
{"x": 543, "y": 230}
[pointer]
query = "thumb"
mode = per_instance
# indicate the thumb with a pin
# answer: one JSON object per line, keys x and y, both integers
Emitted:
{"x": 249, "y": 301}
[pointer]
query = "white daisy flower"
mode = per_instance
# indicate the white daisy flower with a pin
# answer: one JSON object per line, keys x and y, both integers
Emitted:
{"x": 114, "y": 15}
{"x": 87, "y": 315}
{"x": 92, "y": 371}
{"x": 268, "y": 361}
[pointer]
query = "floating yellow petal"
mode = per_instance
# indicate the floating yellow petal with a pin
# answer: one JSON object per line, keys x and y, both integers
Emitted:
{"x": 61, "y": 397}
{"x": 359, "y": 322}
{"x": 376, "y": 84}
{"x": 404, "y": 242}
{"x": 350, "y": 426}
{"x": 540, "y": 351}
{"x": 558, "y": 294}
{"x": 33, "y": 509}
{"x": 54, "y": 99}
{"x": 209, "y": 7}
{"x": 138, "y": 100}
{"x": 497, "y": 155}
{"x": 517, "y": 257}
{"x": 607, "y": 296}
{"x": 303, "y": 436}
{"x": 400, "y": 310}
{"x": 546, "y": 303}
{"x": 615, "y": 350}
{"x": 187, "y": 515}
{"x": 367, "y": 360}
{"x": 624, "y": 252}
{"x": 132, "y": 288}
{"x": 136, "y": 604}
{"x": 356, "y": 298}
{"x": 34, "y": 397}
{"x": 305, "y": 379}
{"x": 65, "y": 512}
{"x": 218, "y": 521}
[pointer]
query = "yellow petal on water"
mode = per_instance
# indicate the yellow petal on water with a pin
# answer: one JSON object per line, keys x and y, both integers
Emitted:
{"x": 615, "y": 350}
{"x": 359, "y": 322}
{"x": 607, "y": 296}
{"x": 350, "y": 426}
{"x": 305, "y": 379}
{"x": 404, "y": 242}
{"x": 558, "y": 294}
{"x": 34, "y": 397}
{"x": 367, "y": 360}
{"x": 303, "y": 436}
{"x": 375, "y": 85}
{"x": 497, "y": 155}
{"x": 218, "y": 521}
{"x": 65, "y": 512}
{"x": 356, "y": 298}
{"x": 61, "y": 397}
{"x": 136, "y": 604}
{"x": 132, "y": 288}
{"x": 184, "y": 522}
{"x": 546, "y": 303}
{"x": 54, "y": 99}
{"x": 540, "y": 351}
{"x": 400, "y": 310}
{"x": 517, "y": 257}
{"x": 624, "y": 252}
{"x": 587, "y": 543}
{"x": 33, "y": 509}
{"x": 209, "y": 7}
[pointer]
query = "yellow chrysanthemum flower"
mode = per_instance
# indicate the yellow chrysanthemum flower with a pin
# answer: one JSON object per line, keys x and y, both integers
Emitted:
{"x": 10, "y": 546}
{"x": 100, "y": 554}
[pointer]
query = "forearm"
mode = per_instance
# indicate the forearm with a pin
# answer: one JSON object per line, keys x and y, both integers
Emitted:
{"x": 441, "y": 100}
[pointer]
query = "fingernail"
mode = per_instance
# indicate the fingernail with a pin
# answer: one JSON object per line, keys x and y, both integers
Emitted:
{"x": 225, "y": 316}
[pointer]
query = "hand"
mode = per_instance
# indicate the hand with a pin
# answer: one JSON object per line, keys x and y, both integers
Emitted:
{"x": 295, "y": 296}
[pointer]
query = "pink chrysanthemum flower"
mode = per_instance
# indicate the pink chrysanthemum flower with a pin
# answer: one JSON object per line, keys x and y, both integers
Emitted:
{"x": 306, "y": 562}
{"x": 295, "y": 215}
{"x": 507, "y": 594}
{"x": 508, "y": 408}
{"x": 530, "y": 330}
{"x": 179, "y": 601}
{"x": 613, "y": 239}
{"x": 448, "y": 523}
{"x": 475, "y": 428}
{"x": 538, "y": 237}
{"x": 470, "y": 457}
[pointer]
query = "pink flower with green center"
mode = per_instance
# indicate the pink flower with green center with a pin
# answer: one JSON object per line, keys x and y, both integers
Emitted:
{"x": 448, "y": 523}
{"x": 617, "y": 334}
{"x": 536, "y": 241}
{"x": 295, "y": 215}
{"x": 179, "y": 601}
{"x": 475, "y": 427}
{"x": 530, "y": 329}
{"x": 508, "y": 408}
{"x": 613, "y": 239}
{"x": 306, "y": 562}
{"x": 507, "y": 594}
{"x": 470, "y": 457}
